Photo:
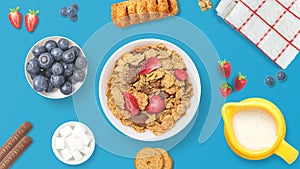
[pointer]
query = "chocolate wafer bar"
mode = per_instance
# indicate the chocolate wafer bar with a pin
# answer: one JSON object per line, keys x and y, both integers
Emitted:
{"x": 16, "y": 152}
{"x": 14, "y": 139}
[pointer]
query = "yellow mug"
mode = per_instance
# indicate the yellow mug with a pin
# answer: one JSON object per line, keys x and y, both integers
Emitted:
{"x": 280, "y": 147}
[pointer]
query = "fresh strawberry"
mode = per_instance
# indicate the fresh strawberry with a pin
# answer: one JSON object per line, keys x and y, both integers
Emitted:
{"x": 156, "y": 105}
{"x": 225, "y": 90}
{"x": 31, "y": 20}
{"x": 239, "y": 82}
{"x": 150, "y": 65}
{"x": 15, "y": 17}
{"x": 131, "y": 104}
{"x": 225, "y": 68}
{"x": 181, "y": 74}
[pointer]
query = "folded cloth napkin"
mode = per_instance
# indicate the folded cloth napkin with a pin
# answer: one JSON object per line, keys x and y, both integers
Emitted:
{"x": 272, "y": 25}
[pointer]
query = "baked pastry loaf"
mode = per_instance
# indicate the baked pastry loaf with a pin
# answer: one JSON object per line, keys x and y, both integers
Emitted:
{"x": 132, "y": 12}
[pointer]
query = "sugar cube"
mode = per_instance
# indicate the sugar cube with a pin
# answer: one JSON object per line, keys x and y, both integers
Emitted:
{"x": 86, "y": 139}
{"x": 59, "y": 143}
{"x": 79, "y": 130}
{"x": 66, "y": 131}
{"x": 74, "y": 143}
{"x": 76, "y": 155}
{"x": 66, "y": 154}
{"x": 85, "y": 150}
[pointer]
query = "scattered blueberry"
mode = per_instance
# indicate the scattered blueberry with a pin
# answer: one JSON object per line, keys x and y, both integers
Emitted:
{"x": 281, "y": 76}
{"x": 270, "y": 81}
{"x": 45, "y": 60}
{"x": 66, "y": 88}
{"x": 40, "y": 83}
{"x": 63, "y": 11}
{"x": 51, "y": 44}
{"x": 57, "y": 53}
{"x": 33, "y": 67}
{"x": 57, "y": 80}
{"x": 68, "y": 56}
{"x": 74, "y": 18}
{"x": 63, "y": 44}
{"x": 81, "y": 62}
{"x": 75, "y": 6}
{"x": 38, "y": 50}
{"x": 57, "y": 68}
{"x": 71, "y": 12}
{"x": 79, "y": 75}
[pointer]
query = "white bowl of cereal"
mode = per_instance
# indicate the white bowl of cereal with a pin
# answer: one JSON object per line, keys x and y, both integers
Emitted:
{"x": 150, "y": 89}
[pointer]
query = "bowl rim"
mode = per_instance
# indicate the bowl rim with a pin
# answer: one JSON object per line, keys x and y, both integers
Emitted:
{"x": 30, "y": 56}
{"x": 85, "y": 157}
{"x": 116, "y": 122}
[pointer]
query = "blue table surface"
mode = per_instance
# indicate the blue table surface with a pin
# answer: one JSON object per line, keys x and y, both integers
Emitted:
{"x": 20, "y": 103}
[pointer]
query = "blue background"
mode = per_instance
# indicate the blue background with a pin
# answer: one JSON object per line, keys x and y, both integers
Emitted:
{"x": 20, "y": 103}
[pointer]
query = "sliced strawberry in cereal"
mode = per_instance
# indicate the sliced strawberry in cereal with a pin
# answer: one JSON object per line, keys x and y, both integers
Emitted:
{"x": 156, "y": 105}
{"x": 150, "y": 65}
{"x": 181, "y": 74}
{"x": 131, "y": 104}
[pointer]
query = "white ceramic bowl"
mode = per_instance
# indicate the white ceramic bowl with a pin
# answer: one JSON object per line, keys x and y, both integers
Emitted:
{"x": 181, "y": 123}
{"x": 91, "y": 145}
{"x": 56, "y": 94}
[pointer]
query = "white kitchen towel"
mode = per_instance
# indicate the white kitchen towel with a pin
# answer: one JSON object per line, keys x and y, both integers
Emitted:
{"x": 272, "y": 25}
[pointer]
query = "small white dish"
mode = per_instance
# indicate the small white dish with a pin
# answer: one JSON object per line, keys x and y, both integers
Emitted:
{"x": 72, "y": 161}
{"x": 56, "y": 94}
{"x": 181, "y": 123}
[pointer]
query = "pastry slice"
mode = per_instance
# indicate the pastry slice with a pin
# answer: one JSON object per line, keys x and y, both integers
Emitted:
{"x": 152, "y": 8}
{"x": 119, "y": 14}
{"x": 163, "y": 8}
{"x": 132, "y": 12}
{"x": 173, "y": 7}
{"x": 149, "y": 158}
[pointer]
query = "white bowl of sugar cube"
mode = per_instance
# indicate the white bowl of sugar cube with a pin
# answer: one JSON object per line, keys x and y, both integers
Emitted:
{"x": 73, "y": 143}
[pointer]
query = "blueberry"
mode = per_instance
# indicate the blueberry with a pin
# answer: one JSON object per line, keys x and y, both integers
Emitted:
{"x": 81, "y": 62}
{"x": 57, "y": 68}
{"x": 79, "y": 75}
{"x": 68, "y": 72}
{"x": 75, "y": 50}
{"x": 75, "y": 6}
{"x": 74, "y": 18}
{"x": 270, "y": 81}
{"x": 38, "y": 50}
{"x": 72, "y": 80}
{"x": 63, "y": 44}
{"x": 40, "y": 83}
{"x": 67, "y": 88}
{"x": 45, "y": 60}
{"x": 37, "y": 74}
{"x": 281, "y": 75}
{"x": 48, "y": 73}
{"x": 57, "y": 80}
{"x": 71, "y": 11}
{"x": 69, "y": 69}
{"x": 57, "y": 53}
{"x": 33, "y": 67}
{"x": 63, "y": 11}
{"x": 68, "y": 56}
{"x": 50, "y": 88}
{"x": 51, "y": 44}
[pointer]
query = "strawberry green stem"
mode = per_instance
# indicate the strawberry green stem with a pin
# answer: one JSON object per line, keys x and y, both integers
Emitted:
{"x": 241, "y": 76}
{"x": 222, "y": 62}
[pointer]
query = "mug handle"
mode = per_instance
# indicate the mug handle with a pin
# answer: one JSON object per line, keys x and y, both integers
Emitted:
{"x": 286, "y": 152}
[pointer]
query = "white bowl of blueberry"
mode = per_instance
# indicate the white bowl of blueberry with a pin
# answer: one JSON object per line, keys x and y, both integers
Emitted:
{"x": 55, "y": 67}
